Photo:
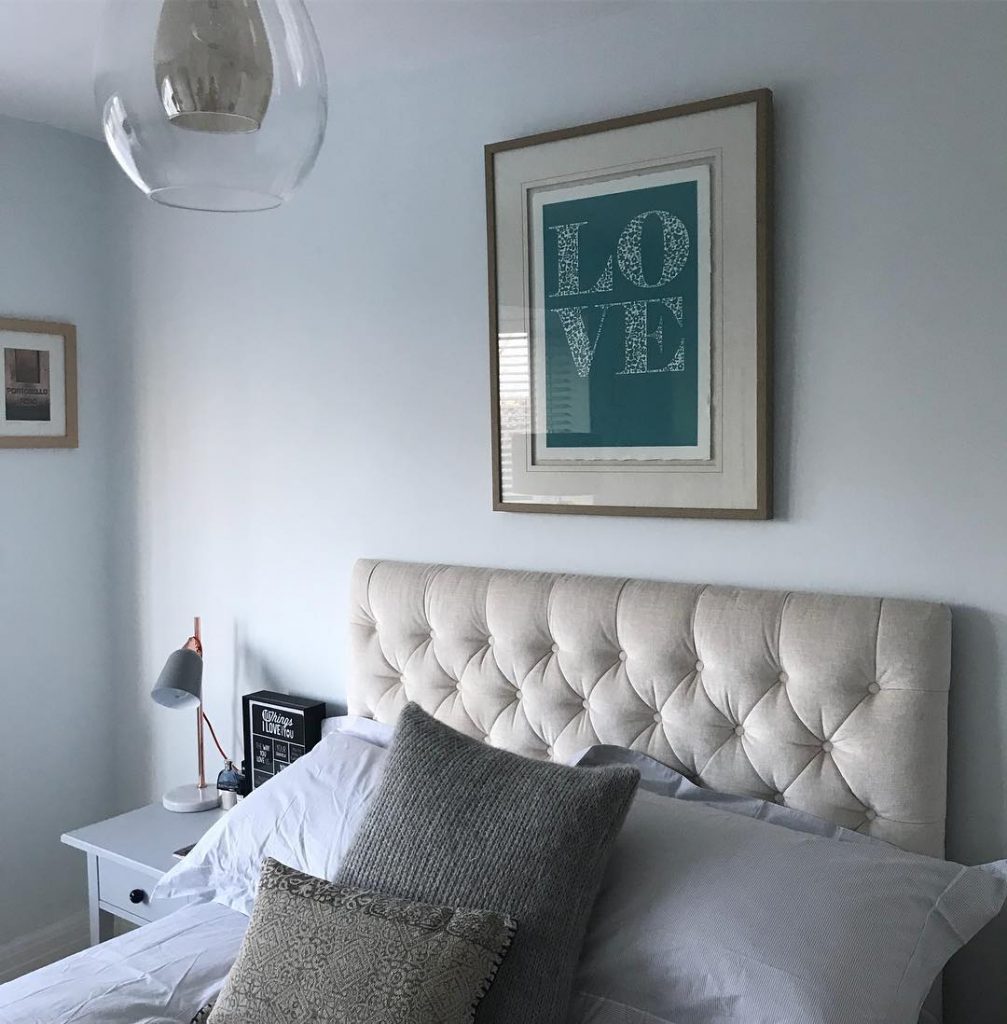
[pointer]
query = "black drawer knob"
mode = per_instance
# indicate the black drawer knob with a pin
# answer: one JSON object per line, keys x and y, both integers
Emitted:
{"x": 137, "y": 896}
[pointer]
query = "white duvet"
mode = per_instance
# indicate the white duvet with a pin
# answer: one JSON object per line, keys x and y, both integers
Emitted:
{"x": 159, "y": 974}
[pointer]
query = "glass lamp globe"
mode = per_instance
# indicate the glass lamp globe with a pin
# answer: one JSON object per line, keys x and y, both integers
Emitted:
{"x": 212, "y": 104}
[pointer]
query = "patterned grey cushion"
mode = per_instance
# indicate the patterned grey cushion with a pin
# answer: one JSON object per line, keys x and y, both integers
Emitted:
{"x": 331, "y": 954}
{"x": 458, "y": 822}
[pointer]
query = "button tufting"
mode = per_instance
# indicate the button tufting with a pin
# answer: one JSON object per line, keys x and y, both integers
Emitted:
{"x": 699, "y": 709}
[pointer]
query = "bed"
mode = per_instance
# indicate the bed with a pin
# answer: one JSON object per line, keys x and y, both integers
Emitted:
{"x": 832, "y": 705}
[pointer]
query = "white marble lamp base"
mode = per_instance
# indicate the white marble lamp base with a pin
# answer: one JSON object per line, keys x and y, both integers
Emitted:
{"x": 186, "y": 799}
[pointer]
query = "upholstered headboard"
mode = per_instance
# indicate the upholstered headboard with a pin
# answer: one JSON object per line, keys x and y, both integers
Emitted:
{"x": 834, "y": 705}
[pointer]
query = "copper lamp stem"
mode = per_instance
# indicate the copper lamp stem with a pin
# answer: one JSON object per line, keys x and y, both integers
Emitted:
{"x": 199, "y": 745}
{"x": 199, "y": 713}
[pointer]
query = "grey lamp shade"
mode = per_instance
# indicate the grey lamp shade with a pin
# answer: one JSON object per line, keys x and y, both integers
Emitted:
{"x": 180, "y": 684}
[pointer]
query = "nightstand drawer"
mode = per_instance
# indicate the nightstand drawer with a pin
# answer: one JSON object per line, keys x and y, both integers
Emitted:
{"x": 126, "y": 855}
{"x": 129, "y": 890}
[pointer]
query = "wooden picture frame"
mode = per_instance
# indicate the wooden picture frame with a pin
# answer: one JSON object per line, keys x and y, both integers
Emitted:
{"x": 634, "y": 378}
{"x": 38, "y": 400}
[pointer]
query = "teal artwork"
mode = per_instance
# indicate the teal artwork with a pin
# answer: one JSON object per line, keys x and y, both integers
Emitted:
{"x": 621, "y": 319}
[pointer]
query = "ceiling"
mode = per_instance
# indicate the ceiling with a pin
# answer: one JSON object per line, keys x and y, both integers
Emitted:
{"x": 46, "y": 46}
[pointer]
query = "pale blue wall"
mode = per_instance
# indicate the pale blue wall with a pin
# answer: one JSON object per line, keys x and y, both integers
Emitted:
{"x": 56, "y": 695}
{"x": 313, "y": 383}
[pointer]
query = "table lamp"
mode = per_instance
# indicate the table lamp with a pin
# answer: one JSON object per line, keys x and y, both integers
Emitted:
{"x": 180, "y": 685}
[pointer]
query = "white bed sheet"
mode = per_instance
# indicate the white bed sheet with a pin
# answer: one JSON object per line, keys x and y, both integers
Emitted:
{"x": 161, "y": 973}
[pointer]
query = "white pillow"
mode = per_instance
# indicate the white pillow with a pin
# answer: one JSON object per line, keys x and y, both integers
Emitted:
{"x": 305, "y": 817}
{"x": 367, "y": 729}
{"x": 707, "y": 916}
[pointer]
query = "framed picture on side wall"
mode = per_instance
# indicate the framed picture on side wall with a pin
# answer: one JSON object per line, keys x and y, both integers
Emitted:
{"x": 629, "y": 281}
{"x": 38, "y": 406}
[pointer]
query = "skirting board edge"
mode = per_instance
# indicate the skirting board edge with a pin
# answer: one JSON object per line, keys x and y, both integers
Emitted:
{"x": 45, "y": 946}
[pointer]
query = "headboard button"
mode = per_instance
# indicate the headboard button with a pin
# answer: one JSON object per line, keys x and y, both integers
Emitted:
{"x": 873, "y": 688}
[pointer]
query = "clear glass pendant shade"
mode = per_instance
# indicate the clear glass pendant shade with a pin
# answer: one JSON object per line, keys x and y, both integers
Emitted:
{"x": 212, "y": 104}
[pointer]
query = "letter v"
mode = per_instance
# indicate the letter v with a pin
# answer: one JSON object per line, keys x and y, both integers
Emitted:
{"x": 575, "y": 328}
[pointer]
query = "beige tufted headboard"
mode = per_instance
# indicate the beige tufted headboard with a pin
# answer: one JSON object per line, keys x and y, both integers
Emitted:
{"x": 834, "y": 705}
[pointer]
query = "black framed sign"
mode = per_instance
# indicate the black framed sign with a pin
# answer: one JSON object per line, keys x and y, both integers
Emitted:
{"x": 278, "y": 728}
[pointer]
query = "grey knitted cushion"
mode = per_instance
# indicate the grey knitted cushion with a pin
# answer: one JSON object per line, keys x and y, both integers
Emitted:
{"x": 457, "y": 822}
{"x": 331, "y": 954}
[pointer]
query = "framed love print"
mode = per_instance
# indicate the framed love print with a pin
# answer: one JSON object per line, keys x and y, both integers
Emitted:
{"x": 629, "y": 281}
{"x": 38, "y": 405}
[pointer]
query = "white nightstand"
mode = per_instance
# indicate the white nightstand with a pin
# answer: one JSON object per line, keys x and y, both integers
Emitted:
{"x": 125, "y": 858}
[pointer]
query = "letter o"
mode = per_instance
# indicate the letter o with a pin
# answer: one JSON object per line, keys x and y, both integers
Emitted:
{"x": 675, "y": 239}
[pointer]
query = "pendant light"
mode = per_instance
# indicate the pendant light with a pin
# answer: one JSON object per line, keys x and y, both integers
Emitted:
{"x": 212, "y": 104}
